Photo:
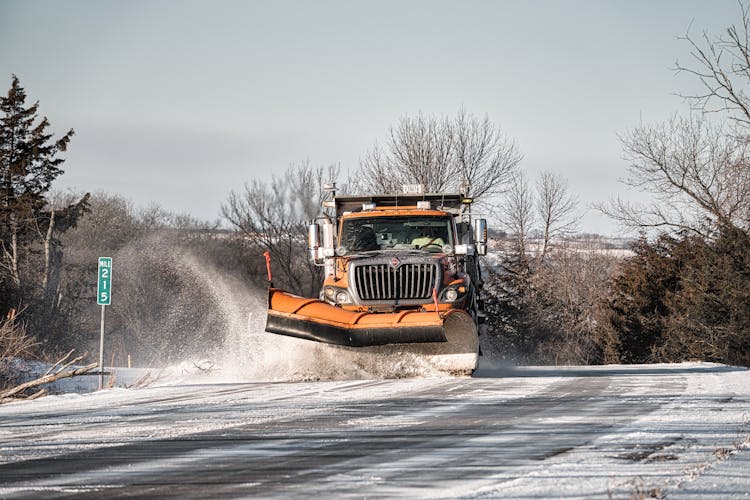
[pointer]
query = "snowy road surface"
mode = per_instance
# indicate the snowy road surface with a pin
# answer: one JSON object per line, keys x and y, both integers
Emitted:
{"x": 674, "y": 431}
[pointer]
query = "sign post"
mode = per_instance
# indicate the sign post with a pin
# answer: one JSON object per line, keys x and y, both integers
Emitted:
{"x": 103, "y": 298}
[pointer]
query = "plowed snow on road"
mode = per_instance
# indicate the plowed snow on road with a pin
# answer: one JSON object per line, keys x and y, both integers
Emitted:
{"x": 678, "y": 431}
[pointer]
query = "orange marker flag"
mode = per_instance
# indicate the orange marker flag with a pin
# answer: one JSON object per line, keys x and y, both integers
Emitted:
{"x": 267, "y": 255}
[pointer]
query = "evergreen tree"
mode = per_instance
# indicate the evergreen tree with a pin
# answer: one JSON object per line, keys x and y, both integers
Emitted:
{"x": 29, "y": 163}
{"x": 710, "y": 317}
{"x": 684, "y": 298}
{"x": 640, "y": 297}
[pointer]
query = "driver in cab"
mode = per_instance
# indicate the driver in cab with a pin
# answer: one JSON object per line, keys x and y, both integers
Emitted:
{"x": 428, "y": 237}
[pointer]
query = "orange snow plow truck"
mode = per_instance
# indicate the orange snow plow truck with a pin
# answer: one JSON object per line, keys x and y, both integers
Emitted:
{"x": 401, "y": 275}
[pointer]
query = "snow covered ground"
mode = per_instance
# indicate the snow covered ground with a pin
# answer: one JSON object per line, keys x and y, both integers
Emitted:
{"x": 670, "y": 431}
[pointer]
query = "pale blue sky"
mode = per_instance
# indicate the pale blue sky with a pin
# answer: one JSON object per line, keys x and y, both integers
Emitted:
{"x": 180, "y": 101}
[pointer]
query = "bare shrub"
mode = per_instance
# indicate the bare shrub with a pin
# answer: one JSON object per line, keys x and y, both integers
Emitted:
{"x": 14, "y": 342}
{"x": 565, "y": 310}
{"x": 554, "y": 312}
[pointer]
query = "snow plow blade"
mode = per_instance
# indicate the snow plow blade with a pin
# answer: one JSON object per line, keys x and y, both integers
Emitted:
{"x": 313, "y": 319}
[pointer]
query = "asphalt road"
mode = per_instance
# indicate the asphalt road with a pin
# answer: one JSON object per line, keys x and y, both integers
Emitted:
{"x": 517, "y": 433}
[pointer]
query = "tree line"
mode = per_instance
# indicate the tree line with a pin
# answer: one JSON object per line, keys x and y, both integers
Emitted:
{"x": 681, "y": 295}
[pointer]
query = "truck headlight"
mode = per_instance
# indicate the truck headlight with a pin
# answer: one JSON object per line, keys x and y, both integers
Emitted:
{"x": 342, "y": 297}
{"x": 453, "y": 293}
{"x": 336, "y": 295}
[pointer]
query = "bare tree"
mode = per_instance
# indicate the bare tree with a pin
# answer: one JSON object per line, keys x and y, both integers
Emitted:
{"x": 548, "y": 209}
{"x": 274, "y": 215}
{"x": 418, "y": 150}
{"x": 61, "y": 215}
{"x": 722, "y": 66}
{"x": 556, "y": 207}
{"x": 696, "y": 168}
{"x": 486, "y": 158}
{"x": 516, "y": 212}
{"x": 697, "y": 174}
{"x": 465, "y": 154}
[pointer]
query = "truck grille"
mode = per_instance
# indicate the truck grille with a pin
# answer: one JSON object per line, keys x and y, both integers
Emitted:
{"x": 384, "y": 282}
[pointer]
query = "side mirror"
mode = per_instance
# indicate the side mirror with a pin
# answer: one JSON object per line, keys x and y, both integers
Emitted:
{"x": 329, "y": 249}
{"x": 480, "y": 231}
{"x": 313, "y": 241}
{"x": 329, "y": 236}
{"x": 480, "y": 236}
{"x": 320, "y": 241}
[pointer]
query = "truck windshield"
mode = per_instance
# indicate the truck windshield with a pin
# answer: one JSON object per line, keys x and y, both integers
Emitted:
{"x": 364, "y": 234}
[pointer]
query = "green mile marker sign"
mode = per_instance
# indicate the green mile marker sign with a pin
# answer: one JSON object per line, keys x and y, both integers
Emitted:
{"x": 104, "y": 290}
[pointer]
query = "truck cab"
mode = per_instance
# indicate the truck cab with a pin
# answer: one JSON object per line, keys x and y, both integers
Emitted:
{"x": 389, "y": 253}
